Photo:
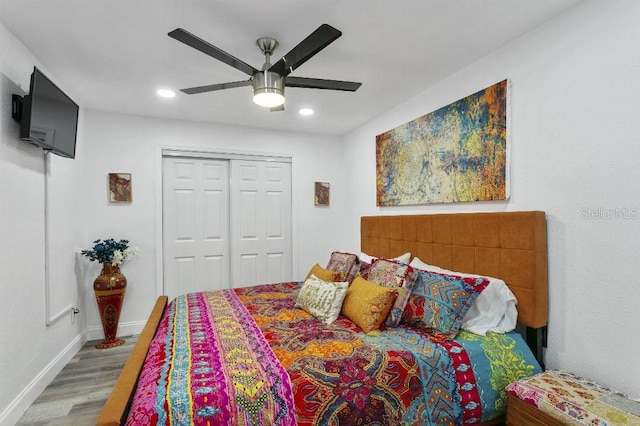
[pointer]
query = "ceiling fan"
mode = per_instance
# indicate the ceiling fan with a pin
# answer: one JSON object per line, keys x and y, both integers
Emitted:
{"x": 269, "y": 82}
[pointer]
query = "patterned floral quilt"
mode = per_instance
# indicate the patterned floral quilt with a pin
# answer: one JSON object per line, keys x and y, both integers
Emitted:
{"x": 249, "y": 357}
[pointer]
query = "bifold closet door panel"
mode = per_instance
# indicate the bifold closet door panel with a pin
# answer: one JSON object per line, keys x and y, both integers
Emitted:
{"x": 196, "y": 248}
{"x": 261, "y": 237}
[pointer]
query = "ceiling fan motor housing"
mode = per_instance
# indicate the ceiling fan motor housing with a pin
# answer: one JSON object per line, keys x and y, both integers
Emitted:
{"x": 269, "y": 85}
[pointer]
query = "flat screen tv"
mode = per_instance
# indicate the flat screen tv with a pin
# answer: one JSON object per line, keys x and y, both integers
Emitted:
{"x": 49, "y": 117}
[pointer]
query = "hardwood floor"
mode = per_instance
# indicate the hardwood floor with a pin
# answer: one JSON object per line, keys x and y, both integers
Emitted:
{"x": 77, "y": 394}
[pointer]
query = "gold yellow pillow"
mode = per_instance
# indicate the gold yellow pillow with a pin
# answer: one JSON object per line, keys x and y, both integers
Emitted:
{"x": 367, "y": 304}
{"x": 323, "y": 274}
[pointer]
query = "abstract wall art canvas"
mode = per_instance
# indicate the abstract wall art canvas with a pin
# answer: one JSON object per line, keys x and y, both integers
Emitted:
{"x": 457, "y": 153}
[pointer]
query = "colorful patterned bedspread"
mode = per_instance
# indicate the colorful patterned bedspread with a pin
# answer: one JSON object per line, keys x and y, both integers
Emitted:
{"x": 209, "y": 365}
{"x": 335, "y": 374}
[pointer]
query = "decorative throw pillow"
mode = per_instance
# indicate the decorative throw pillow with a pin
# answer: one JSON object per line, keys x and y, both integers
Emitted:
{"x": 322, "y": 299}
{"x": 439, "y": 302}
{"x": 404, "y": 258}
{"x": 493, "y": 310}
{"x": 393, "y": 274}
{"x": 347, "y": 264}
{"x": 367, "y": 304}
{"x": 323, "y": 274}
{"x": 366, "y": 261}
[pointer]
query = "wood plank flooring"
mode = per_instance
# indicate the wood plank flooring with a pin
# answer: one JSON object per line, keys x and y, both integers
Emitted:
{"x": 77, "y": 394}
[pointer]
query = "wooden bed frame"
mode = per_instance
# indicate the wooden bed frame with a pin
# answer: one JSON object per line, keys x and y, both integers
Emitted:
{"x": 115, "y": 410}
{"x": 508, "y": 245}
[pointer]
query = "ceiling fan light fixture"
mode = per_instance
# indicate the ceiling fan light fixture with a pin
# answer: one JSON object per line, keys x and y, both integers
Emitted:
{"x": 267, "y": 99}
{"x": 268, "y": 89}
{"x": 166, "y": 93}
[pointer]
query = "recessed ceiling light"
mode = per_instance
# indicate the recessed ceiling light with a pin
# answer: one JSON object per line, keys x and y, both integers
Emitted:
{"x": 305, "y": 111}
{"x": 166, "y": 93}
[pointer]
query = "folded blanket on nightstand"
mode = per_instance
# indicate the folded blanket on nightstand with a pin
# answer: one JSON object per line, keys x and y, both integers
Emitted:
{"x": 576, "y": 400}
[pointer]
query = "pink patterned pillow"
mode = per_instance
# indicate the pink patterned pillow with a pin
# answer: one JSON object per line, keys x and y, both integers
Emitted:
{"x": 347, "y": 264}
{"x": 393, "y": 274}
{"x": 367, "y": 260}
{"x": 364, "y": 269}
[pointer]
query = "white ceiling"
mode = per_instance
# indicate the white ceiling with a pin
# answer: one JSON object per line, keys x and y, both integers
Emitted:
{"x": 113, "y": 54}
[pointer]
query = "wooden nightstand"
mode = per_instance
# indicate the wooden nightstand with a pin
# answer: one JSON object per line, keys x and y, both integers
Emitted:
{"x": 519, "y": 413}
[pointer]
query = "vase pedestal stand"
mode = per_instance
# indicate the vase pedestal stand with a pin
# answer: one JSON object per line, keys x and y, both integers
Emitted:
{"x": 109, "y": 289}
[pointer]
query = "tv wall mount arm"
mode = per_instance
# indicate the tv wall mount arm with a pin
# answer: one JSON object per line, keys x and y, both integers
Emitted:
{"x": 17, "y": 103}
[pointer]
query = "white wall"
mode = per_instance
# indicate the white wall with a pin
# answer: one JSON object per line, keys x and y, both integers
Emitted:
{"x": 575, "y": 98}
{"x": 32, "y": 352}
{"x": 120, "y": 143}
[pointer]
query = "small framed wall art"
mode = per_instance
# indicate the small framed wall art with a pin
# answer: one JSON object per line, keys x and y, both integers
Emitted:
{"x": 321, "y": 193}
{"x": 120, "y": 188}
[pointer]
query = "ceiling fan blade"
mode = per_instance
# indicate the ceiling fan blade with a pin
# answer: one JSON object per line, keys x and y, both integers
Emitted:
{"x": 318, "y": 83}
{"x": 205, "y": 47}
{"x": 314, "y": 43}
{"x": 214, "y": 87}
{"x": 278, "y": 108}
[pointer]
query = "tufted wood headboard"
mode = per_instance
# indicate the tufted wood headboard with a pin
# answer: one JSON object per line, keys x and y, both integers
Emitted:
{"x": 507, "y": 245}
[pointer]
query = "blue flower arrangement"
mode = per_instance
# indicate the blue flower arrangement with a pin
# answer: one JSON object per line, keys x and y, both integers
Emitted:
{"x": 110, "y": 251}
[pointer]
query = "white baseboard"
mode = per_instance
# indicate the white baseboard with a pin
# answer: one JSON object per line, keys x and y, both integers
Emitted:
{"x": 21, "y": 403}
{"x": 124, "y": 329}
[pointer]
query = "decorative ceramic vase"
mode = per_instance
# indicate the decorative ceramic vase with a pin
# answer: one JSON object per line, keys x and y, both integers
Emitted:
{"x": 109, "y": 289}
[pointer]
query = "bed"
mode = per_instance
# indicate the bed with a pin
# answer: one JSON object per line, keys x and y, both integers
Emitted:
{"x": 251, "y": 356}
